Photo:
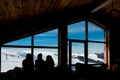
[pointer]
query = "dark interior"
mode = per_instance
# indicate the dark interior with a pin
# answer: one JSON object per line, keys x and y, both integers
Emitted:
{"x": 21, "y": 18}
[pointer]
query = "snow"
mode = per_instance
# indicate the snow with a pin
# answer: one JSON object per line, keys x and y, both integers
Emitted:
{"x": 10, "y": 60}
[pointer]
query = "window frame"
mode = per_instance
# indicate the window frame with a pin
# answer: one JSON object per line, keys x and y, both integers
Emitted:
{"x": 29, "y": 46}
{"x": 86, "y": 41}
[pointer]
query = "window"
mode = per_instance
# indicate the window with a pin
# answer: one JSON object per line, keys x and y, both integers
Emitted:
{"x": 87, "y": 43}
{"x": 95, "y": 33}
{"x": 47, "y": 44}
{"x": 24, "y": 41}
{"x": 13, "y": 53}
{"x": 77, "y": 31}
{"x": 45, "y": 52}
{"x": 95, "y": 53}
{"x": 49, "y": 38}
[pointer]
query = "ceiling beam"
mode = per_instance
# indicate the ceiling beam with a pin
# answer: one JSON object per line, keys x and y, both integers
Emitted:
{"x": 101, "y": 6}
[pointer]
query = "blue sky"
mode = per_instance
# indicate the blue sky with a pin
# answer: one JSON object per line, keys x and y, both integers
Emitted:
{"x": 77, "y": 31}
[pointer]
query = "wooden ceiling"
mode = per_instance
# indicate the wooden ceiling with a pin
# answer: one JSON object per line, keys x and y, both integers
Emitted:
{"x": 19, "y": 18}
{"x": 12, "y": 10}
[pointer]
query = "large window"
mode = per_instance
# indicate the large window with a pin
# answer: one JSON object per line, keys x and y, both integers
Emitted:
{"x": 87, "y": 44}
{"x": 13, "y": 53}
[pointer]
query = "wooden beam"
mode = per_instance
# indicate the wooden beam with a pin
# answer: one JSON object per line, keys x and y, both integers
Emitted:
{"x": 101, "y": 6}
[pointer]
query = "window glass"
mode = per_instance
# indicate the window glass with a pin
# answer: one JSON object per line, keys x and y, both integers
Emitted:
{"x": 95, "y": 33}
{"x": 95, "y": 53}
{"x": 45, "y": 52}
{"x": 77, "y": 52}
{"x": 76, "y": 31}
{"x": 49, "y": 38}
{"x": 12, "y": 57}
{"x": 24, "y": 42}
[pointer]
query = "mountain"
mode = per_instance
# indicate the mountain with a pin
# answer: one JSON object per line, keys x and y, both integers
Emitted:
{"x": 96, "y": 58}
{"x": 100, "y": 55}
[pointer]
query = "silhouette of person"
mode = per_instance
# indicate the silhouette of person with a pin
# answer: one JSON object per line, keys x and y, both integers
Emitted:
{"x": 50, "y": 63}
{"x": 27, "y": 64}
{"x": 40, "y": 63}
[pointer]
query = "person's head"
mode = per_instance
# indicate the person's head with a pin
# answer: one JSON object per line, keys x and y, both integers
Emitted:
{"x": 40, "y": 56}
{"x": 28, "y": 56}
{"x": 49, "y": 58}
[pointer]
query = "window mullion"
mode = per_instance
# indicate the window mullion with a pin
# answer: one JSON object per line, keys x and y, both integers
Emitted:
{"x": 86, "y": 42}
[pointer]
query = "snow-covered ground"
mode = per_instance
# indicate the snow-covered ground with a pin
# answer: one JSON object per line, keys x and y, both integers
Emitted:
{"x": 10, "y": 60}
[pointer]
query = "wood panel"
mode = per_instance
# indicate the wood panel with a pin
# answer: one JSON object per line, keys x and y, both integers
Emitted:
{"x": 38, "y": 4}
{"x": 3, "y": 5}
{"x": 4, "y": 10}
{"x": 54, "y": 6}
{"x": 45, "y": 6}
{"x": 19, "y": 8}
{"x": 63, "y": 4}
{"x": 28, "y": 8}
{"x": 12, "y": 10}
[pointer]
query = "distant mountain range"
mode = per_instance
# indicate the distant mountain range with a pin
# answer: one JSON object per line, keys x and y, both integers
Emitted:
{"x": 96, "y": 58}
{"x": 100, "y": 55}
